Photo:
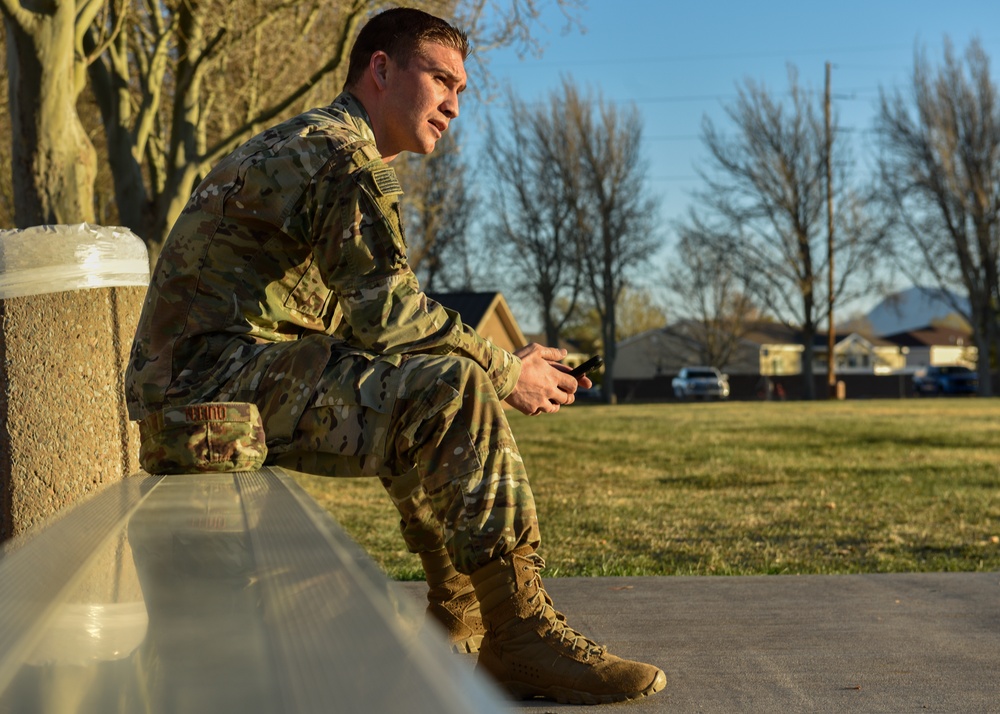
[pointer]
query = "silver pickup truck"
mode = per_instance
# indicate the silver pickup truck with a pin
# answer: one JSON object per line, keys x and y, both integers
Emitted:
{"x": 701, "y": 383}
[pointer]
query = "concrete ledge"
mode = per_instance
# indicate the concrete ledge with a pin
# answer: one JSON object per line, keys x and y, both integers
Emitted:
{"x": 209, "y": 593}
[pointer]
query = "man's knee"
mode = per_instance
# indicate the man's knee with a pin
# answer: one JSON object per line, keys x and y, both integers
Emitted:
{"x": 423, "y": 375}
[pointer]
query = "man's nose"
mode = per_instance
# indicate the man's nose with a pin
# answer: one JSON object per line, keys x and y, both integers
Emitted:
{"x": 449, "y": 107}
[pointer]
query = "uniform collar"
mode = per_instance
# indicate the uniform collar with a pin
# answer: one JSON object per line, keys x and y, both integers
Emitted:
{"x": 355, "y": 113}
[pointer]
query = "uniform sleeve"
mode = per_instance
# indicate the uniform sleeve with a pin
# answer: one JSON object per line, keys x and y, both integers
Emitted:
{"x": 357, "y": 237}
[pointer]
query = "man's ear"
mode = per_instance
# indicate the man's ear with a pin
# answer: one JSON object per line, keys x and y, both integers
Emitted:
{"x": 378, "y": 66}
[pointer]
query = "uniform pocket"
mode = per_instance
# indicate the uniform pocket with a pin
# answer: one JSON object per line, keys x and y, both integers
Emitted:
{"x": 310, "y": 296}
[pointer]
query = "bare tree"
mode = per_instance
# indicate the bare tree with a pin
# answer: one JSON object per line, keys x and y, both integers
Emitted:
{"x": 535, "y": 213}
{"x": 188, "y": 82}
{"x": 638, "y": 312}
{"x": 712, "y": 293}
{"x": 941, "y": 171}
{"x": 766, "y": 192}
{"x": 54, "y": 163}
{"x": 615, "y": 217}
{"x": 438, "y": 210}
{"x": 179, "y": 85}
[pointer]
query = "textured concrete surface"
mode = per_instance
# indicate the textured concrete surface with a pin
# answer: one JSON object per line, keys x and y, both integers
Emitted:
{"x": 851, "y": 643}
{"x": 63, "y": 428}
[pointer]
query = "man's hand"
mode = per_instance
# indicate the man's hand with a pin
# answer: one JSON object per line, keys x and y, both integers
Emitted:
{"x": 544, "y": 384}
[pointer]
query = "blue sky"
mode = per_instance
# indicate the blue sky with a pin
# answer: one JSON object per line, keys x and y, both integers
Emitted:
{"x": 678, "y": 62}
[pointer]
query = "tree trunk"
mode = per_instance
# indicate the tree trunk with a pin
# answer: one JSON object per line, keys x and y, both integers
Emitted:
{"x": 54, "y": 161}
{"x": 808, "y": 350}
{"x": 984, "y": 335}
{"x": 610, "y": 355}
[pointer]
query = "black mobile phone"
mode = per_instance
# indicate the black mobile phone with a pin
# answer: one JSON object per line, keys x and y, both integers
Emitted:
{"x": 589, "y": 366}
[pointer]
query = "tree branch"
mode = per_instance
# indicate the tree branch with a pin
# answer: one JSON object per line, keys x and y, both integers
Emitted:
{"x": 227, "y": 144}
{"x": 119, "y": 15}
{"x": 26, "y": 20}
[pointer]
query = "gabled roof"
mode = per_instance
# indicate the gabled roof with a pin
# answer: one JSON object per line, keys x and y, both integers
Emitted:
{"x": 678, "y": 331}
{"x": 771, "y": 333}
{"x": 476, "y": 308}
{"x": 931, "y": 337}
{"x": 842, "y": 338}
{"x": 763, "y": 333}
{"x": 473, "y": 307}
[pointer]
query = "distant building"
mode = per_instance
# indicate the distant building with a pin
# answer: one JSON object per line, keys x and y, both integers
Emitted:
{"x": 765, "y": 361}
{"x": 935, "y": 346}
{"x": 856, "y": 354}
{"x": 766, "y": 349}
{"x": 488, "y": 314}
{"x": 664, "y": 351}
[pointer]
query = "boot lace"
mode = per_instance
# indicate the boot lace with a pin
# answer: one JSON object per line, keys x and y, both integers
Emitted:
{"x": 560, "y": 628}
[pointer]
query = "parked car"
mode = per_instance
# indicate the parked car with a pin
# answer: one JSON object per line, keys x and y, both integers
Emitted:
{"x": 950, "y": 379}
{"x": 700, "y": 382}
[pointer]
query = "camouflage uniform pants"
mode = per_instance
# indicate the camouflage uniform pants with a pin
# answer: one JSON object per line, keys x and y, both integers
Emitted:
{"x": 431, "y": 428}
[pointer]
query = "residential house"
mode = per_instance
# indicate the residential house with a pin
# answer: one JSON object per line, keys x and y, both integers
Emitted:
{"x": 768, "y": 355}
{"x": 935, "y": 345}
{"x": 488, "y": 314}
{"x": 856, "y": 354}
{"x": 663, "y": 351}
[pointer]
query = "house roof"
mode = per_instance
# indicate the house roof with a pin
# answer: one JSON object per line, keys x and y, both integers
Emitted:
{"x": 476, "y": 308}
{"x": 473, "y": 307}
{"x": 821, "y": 339}
{"x": 763, "y": 333}
{"x": 931, "y": 337}
{"x": 679, "y": 331}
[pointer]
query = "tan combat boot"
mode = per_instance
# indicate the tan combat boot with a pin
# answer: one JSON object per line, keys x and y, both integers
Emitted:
{"x": 531, "y": 651}
{"x": 452, "y": 602}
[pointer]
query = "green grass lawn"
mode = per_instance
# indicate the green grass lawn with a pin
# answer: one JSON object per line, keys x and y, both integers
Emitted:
{"x": 741, "y": 488}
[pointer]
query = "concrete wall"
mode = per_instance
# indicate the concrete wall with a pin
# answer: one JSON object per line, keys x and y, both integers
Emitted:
{"x": 64, "y": 432}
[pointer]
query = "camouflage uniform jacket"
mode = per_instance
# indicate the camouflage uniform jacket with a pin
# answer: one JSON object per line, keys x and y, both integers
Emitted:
{"x": 295, "y": 233}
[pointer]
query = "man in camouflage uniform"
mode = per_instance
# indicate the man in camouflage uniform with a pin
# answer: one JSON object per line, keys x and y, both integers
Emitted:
{"x": 285, "y": 284}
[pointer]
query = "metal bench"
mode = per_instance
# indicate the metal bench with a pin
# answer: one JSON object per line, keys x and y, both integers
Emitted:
{"x": 215, "y": 593}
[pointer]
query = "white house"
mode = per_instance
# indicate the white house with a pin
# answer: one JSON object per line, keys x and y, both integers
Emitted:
{"x": 933, "y": 346}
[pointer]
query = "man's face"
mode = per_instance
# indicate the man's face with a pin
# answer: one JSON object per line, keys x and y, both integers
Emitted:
{"x": 421, "y": 99}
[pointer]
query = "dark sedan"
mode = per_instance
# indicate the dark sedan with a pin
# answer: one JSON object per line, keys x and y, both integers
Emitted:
{"x": 945, "y": 380}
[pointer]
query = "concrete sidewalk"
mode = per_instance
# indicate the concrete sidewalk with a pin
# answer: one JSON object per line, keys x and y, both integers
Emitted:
{"x": 848, "y": 643}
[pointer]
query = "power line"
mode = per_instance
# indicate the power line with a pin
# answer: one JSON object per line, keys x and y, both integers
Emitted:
{"x": 764, "y": 54}
{"x": 711, "y": 57}
{"x": 851, "y": 95}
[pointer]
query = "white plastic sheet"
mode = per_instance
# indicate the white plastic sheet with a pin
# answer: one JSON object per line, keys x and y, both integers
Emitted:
{"x": 48, "y": 259}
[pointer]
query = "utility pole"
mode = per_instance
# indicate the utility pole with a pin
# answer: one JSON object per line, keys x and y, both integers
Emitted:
{"x": 831, "y": 362}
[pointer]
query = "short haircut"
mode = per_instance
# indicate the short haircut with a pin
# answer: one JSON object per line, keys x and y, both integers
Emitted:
{"x": 399, "y": 33}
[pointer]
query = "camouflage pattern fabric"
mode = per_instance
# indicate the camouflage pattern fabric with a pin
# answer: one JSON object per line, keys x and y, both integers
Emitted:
{"x": 294, "y": 234}
{"x": 202, "y": 438}
{"x": 284, "y": 283}
{"x": 434, "y": 431}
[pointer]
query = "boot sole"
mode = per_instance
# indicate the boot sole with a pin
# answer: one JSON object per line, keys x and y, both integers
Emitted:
{"x": 563, "y": 695}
